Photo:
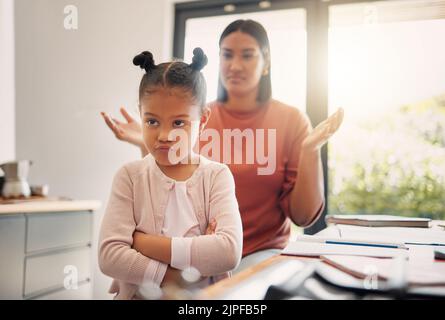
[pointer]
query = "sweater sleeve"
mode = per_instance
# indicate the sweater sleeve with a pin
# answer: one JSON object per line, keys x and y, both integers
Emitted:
{"x": 299, "y": 128}
{"x": 181, "y": 252}
{"x": 154, "y": 274}
{"x": 117, "y": 259}
{"x": 220, "y": 252}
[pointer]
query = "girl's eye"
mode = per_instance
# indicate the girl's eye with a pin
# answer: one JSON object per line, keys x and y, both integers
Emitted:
{"x": 247, "y": 56}
{"x": 152, "y": 122}
{"x": 178, "y": 123}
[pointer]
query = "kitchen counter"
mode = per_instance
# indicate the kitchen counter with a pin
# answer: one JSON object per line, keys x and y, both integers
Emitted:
{"x": 49, "y": 206}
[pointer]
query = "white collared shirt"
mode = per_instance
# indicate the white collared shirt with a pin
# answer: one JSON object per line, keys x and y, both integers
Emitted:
{"x": 181, "y": 224}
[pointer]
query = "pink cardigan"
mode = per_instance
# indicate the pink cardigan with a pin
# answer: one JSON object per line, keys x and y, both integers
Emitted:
{"x": 138, "y": 201}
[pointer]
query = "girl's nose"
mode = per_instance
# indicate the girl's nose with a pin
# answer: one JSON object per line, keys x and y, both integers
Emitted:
{"x": 164, "y": 135}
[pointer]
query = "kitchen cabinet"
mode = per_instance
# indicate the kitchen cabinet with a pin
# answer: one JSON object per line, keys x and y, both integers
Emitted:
{"x": 45, "y": 250}
{"x": 12, "y": 245}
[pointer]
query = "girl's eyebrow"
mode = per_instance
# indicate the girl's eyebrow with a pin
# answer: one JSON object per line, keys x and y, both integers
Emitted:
{"x": 175, "y": 116}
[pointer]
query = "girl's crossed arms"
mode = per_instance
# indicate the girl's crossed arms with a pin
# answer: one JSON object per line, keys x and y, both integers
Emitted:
{"x": 174, "y": 209}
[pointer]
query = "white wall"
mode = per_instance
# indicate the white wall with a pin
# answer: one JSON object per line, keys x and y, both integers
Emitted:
{"x": 7, "y": 116}
{"x": 64, "y": 78}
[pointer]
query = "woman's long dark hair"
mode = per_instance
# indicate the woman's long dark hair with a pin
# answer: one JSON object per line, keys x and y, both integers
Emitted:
{"x": 257, "y": 31}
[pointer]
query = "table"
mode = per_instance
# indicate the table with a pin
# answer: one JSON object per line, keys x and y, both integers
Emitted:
{"x": 254, "y": 281}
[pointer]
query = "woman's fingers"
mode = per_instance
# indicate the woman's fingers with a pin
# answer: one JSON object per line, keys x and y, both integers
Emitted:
{"x": 109, "y": 122}
{"x": 325, "y": 129}
{"x": 114, "y": 125}
{"x": 329, "y": 126}
{"x": 340, "y": 116}
{"x": 117, "y": 121}
{"x": 335, "y": 121}
{"x": 322, "y": 127}
{"x": 126, "y": 115}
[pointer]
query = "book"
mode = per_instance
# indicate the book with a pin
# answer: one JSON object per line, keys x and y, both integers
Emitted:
{"x": 379, "y": 221}
{"x": 408, "y": 236}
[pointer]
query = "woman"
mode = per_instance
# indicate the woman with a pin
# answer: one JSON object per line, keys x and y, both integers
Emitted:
{"x": 293, "y": 191}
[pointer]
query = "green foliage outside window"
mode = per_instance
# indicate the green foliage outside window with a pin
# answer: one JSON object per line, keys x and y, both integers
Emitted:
{"x": 394, "y": 165}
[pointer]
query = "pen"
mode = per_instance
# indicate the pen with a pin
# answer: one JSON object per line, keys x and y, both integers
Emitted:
{"x": 364, "y": 244}
{"x": 351, "y": 242}
{"x": 425, "y": 244}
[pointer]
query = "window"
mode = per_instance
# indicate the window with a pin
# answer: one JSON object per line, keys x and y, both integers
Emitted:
{"x": 387, "y": 69}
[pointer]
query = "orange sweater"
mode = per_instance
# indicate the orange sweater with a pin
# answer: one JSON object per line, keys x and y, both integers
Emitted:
{"x": 264, "y": 199}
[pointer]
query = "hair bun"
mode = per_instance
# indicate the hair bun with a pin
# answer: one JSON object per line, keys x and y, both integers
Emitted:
{"x": 145, "y": 61}
{"x": 199, "y": 60}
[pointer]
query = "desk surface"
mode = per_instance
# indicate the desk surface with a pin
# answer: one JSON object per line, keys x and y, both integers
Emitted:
{"x": 251, "y": 282}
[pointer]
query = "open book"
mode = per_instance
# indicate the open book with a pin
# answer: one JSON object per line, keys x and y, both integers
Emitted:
{"x": 379, "y": 221}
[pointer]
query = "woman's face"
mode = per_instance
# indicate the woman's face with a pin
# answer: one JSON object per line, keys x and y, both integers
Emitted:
{"x": 170, "y": 124}
{"x": 242, "y": 63}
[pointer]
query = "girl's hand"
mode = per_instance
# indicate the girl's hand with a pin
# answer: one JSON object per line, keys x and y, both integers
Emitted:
{"x": 321, "y": 134}
{"x": 172, "y": 276}
{"x": 211, "y": 227}
{"x": 130, "y": 131}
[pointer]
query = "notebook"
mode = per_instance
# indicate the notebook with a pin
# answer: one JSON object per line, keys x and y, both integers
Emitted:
{"x": 379, "y": 221}
{"x": 409, "y": 236}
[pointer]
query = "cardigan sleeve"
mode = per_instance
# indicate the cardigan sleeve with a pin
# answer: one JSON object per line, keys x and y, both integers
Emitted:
{"x": 220, "y": 252}
{"x": 117, "y": 258}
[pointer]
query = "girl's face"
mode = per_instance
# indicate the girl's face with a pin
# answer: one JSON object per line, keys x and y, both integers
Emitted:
{"x": 242, "y": 63}
{"x": 171, "y": 124}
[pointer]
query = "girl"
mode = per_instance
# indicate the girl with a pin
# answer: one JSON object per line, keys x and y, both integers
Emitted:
{"x": 172, "y": 194}
{"x": 294, "y": 191}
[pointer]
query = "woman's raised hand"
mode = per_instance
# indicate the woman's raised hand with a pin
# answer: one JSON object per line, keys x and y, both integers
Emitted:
{"x": 129, "y": 131}
{"x": 321, "y": 134}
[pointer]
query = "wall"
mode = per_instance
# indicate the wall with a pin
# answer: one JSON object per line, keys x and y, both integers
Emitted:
{"x": 64, "y": 78}
{"x": 7, "y": 114}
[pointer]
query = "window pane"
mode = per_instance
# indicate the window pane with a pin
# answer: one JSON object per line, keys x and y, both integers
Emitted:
{"x": 287, "y": 35}
{"x": 387, "y": 70}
